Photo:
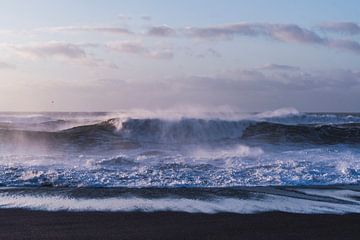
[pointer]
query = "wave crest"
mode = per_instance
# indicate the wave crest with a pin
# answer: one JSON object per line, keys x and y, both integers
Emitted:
{"x": 184, "y": 130}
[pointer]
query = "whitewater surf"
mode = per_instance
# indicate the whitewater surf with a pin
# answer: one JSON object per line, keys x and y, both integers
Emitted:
{"x": 213, "y": 162}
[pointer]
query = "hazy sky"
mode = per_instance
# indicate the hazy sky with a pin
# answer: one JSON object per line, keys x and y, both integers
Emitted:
{"x": 88, "y": 55}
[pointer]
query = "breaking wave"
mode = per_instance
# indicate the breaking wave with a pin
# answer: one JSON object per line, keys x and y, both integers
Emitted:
{"x": 312, "y": 134}
{"x": 195, "y": 131}
{"x": 284, "y": 147}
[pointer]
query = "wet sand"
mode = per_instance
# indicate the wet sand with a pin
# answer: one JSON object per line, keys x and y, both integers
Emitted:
{"x": 24, "y": 224}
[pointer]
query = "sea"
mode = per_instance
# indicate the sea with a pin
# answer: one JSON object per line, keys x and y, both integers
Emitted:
{"x": 197, "y": 162}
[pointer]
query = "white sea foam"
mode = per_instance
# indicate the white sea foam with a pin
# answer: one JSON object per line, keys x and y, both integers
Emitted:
{"x": 345, "y": 195}
{"x": 238, "y": 151}
{"x": 216, "y": 205}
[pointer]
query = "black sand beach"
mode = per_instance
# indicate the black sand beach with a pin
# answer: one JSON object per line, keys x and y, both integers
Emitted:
{"x": 24, "y": 224}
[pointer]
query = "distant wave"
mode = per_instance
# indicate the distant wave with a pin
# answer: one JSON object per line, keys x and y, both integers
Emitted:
{"x": 312, "y": 134}
{"x": 199, "y": 130}
{"x": 184, "y": 130}
{"x": 195, "y": 131}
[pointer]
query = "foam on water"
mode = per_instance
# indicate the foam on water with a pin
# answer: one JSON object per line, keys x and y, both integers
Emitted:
{"x": 256, "y": 202}
{"x": 209, "y": 149}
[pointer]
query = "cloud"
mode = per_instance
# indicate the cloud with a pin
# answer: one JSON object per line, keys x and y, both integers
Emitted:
{"x": 210, "y": 52}
{"x": 348, "y": 45}
{"x": 312, "y": 89}
{"x": 112, "y": 30}
{"x": 66, "y": 52}
{"x": 161, "y": 31}
{"x": 124, "y": 17}
{"x": 278, "y": 67}
{"x": 161, "y": 54}
{"x": 260, "y": 80}
{"x": 50, "y": 49}
{"x": 246, "y": 89}
{"x": 292, "y": 33}
{"x": 289, "y": 33}
{"x": 214, "y": 53}
{"x": 350, "y": 28}
{"x": 127, "y": 47}
{"x": 281, "y": 32}
{"x": 138, "y": 48}
{"x": 4, "y": 65}
{"x": 146, "y": 18}
{"x": 223, "y": 31}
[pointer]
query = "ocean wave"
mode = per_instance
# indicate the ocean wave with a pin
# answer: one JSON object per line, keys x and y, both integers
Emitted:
{"x": 244, "y": 201}
{"x": 189, "y": 131}
{"x": 311, "y": 134}
{"x": 237, "y": 166}
{"x": 184, "y": 152}
{"x": 199, "y": 130}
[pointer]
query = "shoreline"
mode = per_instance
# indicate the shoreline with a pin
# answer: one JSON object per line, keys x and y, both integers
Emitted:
{"x": 33, "y": 224}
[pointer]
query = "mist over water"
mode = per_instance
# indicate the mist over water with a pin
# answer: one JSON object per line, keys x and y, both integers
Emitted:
{"x": 176, "y": 149}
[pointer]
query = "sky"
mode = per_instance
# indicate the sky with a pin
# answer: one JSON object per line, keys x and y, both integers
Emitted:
{"x": 248, "y": 55}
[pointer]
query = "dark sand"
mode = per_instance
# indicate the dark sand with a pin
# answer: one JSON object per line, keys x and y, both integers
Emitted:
{"x": 23, "y": 224}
